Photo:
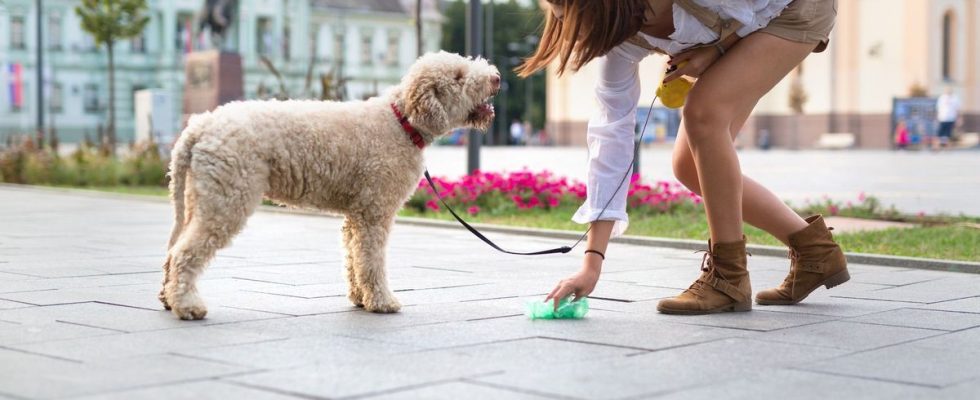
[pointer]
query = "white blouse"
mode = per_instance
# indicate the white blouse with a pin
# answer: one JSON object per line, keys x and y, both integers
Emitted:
{"x": 610, "y": 134}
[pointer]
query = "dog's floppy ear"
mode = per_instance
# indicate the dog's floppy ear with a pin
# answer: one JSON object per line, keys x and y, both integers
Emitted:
{"x": 423, "y": 107}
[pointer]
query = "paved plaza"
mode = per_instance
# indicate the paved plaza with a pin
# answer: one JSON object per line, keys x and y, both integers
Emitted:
{"x": 79, "y": 318}
{"x": 913, "y": 181}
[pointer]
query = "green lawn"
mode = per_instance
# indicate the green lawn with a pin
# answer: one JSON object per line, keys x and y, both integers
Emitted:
{"x": 951, "y": 242}
{"x": 954, "y": 242}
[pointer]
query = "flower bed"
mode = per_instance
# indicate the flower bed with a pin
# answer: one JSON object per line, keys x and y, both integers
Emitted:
{"x": 525, "y": 191}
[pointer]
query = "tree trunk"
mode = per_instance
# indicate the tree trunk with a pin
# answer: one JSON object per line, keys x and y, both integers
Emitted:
{"x": 111, "y": 132}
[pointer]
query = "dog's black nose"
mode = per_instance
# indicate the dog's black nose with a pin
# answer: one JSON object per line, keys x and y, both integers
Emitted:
{"x": 495, "y": 81}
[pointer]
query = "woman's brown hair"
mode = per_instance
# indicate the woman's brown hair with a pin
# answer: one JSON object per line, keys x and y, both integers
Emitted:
{"x": 588, "y": 29}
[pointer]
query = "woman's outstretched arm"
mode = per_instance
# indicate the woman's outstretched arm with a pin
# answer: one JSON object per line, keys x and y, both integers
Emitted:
{"x": 583, "y": 282}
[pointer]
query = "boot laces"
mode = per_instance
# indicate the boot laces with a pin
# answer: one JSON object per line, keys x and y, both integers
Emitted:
{"x": 708, "y": 268}
{"x": 794, "y": 257}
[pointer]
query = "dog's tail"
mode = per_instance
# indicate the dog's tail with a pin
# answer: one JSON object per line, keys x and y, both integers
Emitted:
{"x": 180, "y": 162}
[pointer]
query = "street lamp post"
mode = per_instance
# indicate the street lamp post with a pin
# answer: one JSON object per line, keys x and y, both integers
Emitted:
{"x": 40, "y": 74}
{"x": 474, "y": 47}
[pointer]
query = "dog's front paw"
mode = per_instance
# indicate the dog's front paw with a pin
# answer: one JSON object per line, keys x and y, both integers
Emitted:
{"x": 381, "y": 302}
{"x": 188, "y": 307}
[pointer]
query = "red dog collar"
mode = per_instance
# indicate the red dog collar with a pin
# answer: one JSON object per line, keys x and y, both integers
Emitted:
{"x": 413, "y": 134}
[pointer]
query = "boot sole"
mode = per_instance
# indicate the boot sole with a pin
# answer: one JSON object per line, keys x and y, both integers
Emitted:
{"x": 829, "y": 283}
{"x": 737, "y": 307}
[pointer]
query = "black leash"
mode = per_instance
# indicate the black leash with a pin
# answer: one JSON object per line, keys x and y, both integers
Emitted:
{"x": 563, "y": 249}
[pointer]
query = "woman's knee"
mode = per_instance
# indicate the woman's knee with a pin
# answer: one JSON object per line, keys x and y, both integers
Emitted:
{"x": 685, "y": 171}
{"x": 705, "y": 119}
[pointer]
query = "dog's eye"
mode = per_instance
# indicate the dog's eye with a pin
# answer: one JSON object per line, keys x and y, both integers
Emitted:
{"x": 460, "y": 74}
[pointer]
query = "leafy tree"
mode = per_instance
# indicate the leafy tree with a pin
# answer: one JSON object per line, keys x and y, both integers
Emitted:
{"x": 513, "y": 24}
{"x": 109, "y": 21}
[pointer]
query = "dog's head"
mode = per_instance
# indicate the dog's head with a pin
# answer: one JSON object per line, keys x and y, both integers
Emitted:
{"x": 443, "y": 91}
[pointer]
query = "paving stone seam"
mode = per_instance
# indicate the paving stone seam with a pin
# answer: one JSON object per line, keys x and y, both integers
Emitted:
{"x": 870, "y": 378}
{"x": 92, "y": 326}
{"x": 42, "y": 354}
{"x": 518, "y": 389}
{"x": 952, "y": 311}
{"x": 414, "y": 386}
{"x": 855, "y": 352}
{"x": 275, "y": 390}
{"x": 833, "y": 318}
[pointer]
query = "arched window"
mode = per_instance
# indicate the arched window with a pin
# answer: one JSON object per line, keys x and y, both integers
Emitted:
{"x": 949, "y": 45}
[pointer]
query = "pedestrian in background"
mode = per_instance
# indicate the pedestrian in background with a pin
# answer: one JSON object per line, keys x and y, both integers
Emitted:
{"x": 947, "y": 112}
{"x": 516, "y": 132}
{"x": 902, "y": 135}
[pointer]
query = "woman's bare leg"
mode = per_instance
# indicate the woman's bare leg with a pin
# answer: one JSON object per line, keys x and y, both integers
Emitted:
{"x": 759, "y": 61}
{"x": 760, "y": 207}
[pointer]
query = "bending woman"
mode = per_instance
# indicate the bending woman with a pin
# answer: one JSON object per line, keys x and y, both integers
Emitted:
{"x": 737, "y": 50}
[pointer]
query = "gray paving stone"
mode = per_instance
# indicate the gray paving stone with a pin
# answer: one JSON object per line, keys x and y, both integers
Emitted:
{"x": 824, "y": 304}
{"x": 970, "y": 305}
{"x": 909, "y": 363}
{"x": 968, "y": 339}
{"x": 118, "y": 346}
{"x": 300, "y": 351}
{"x": 848, "y": 335}
{"x": 12, "y": 333}
{"x": 7, "y": 304}
{"x": 392, "y": 373}
{"x": 121, "y": 318}
{"x": 899, "y": 277}
{"x": 191, "y": 391}
{"x": 31, "y": 376}
{"x": 756, "y": 320}
{"x": 457, "y": 390}
{"x": 802, "y": 385}
{"x": 918, "y": 318}
{"x": 933, "y": 291}
{"x": 659, "y": 371}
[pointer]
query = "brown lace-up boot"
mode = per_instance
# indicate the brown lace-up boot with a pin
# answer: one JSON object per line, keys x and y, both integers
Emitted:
{"x": 723, "y": 285}
{"x": 815, "y": 260}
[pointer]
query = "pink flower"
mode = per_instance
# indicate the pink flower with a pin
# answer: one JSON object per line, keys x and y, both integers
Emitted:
{"x": 861, "y": 196}
{"x": 921, "y": 214}
{"x": 833, "y": 209}
{"x": 473, "y": 210}
{"x": 432, "y": 205}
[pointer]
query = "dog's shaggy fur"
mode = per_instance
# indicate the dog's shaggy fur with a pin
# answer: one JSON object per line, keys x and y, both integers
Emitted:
{"x": 352, "y": 158}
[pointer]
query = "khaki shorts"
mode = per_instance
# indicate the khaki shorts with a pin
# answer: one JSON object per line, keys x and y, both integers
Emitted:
{"x": 805, "y": 21}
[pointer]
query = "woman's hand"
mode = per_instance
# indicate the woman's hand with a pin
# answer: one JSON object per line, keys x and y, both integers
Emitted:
{"x": 580, "y": 284}
{"x": 695, "y": 62}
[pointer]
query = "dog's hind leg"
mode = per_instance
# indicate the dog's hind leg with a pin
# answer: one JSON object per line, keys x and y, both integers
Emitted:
{"x": 369, "y": 242}
{"x": 353, "y": 289}
{"x": 220, "y": 212}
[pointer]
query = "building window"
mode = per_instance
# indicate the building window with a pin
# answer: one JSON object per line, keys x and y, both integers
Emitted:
{"x": 366, "y": 48}
{"x": 90, "y": 98}
{"x": 55, "y": 98}
{"x": 54, "y": 31}
{"x": 264, "y": 41}
{"x": 391, "y": 53}
{"x": 949, "y": 45}
{"x": 338, "y": 46}
{"x": 138, "y": 44}
{"x": 17, "y": 33}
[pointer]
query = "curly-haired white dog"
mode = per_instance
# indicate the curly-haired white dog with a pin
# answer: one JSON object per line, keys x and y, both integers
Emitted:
{"x": 360, "y": 158}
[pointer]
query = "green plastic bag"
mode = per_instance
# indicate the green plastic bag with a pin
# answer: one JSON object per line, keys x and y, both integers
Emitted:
{"x": 566, "y": 309}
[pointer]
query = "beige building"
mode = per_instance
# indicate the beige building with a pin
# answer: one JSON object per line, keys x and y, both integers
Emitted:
{"x": 879, "y": 50}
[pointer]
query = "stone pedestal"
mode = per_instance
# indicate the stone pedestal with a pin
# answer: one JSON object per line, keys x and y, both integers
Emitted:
{"x": 212, "y": 78}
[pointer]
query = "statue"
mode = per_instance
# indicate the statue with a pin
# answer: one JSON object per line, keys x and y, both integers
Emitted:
{"x": 218, "y": 16}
